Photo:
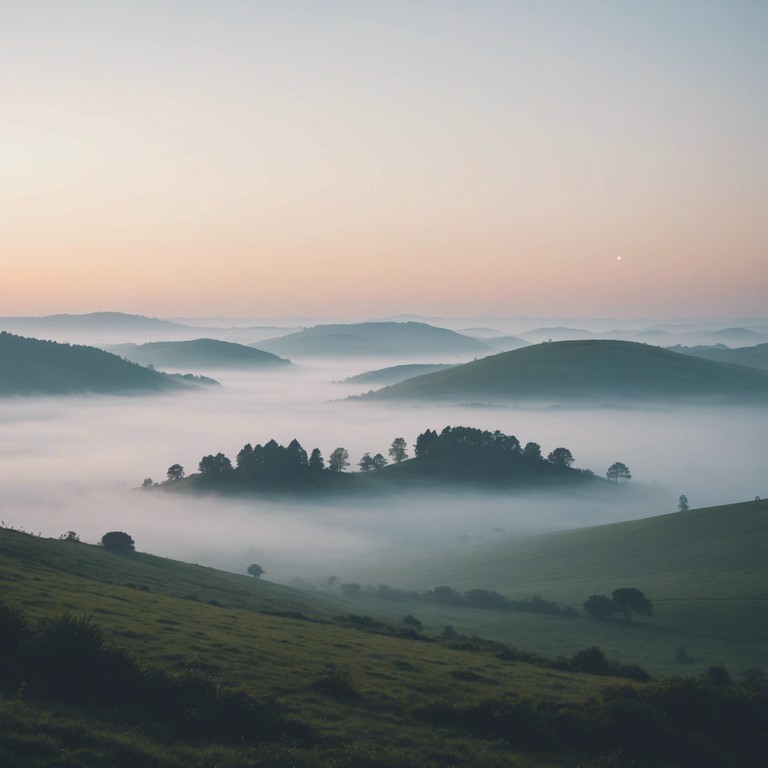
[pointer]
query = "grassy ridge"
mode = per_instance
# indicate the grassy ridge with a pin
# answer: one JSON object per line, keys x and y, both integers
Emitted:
{"x": 158, "y": 610}
{"x": 579, "y": 370}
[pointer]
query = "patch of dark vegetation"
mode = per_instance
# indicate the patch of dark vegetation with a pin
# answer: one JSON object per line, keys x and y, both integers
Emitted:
{"x": 374, "y": 627}
{"x": 681, "y": 722}
{"x": 66, "y": 659}
{"x": 336, "y": 683}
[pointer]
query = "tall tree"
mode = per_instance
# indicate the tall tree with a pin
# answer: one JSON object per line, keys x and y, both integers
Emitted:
{"x": 338, "y": 460}
{"x": 629, "y": 601}
{"x": 175, "y": 472}
{"x": 316, "y": 461}
{"x": 366, "y": 463}
{"x": 532, "y": 451}
{"x": 617, "y": 470}
{"x": 682, "y": 503}
{"x": 398, "y": 450}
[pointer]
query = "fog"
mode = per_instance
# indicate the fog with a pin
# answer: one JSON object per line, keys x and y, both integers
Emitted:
{"x": 76, "y": 463}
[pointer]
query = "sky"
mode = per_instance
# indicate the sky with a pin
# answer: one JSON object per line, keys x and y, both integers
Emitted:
{"x": 358, "y": 159}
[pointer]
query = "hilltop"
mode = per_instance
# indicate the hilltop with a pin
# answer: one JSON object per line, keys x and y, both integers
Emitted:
{"x": 198, "y": 354}
{"x": 395, "y": 373}
{"x": 593, "y": 370}
{"x": 34, "y": 367}
{"x": 377, "y": 339}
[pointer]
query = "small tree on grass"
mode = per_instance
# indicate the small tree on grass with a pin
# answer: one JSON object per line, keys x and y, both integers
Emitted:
{"x": 175, "y": 472}
{"x": 629, "y": 601}
{"x": 117, "y": 541}
{"x": 339, "y": 460}
{"x": 682, "y": 503}
{"x": 561, "y": 457}
{"x": 255, "y": 570}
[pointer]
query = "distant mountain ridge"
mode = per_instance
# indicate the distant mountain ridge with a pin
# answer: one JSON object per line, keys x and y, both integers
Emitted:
{"x": 374, "y": 339}
{"x": 591, "y": 370}
{"x": 34, "y": 367}
{"x": 755, "y": 357}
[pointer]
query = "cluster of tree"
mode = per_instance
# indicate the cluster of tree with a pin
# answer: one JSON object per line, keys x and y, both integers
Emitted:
{"x": 67, "y": 659}
{"x": 627, "y": 601}
{"x": 473, "y": 598}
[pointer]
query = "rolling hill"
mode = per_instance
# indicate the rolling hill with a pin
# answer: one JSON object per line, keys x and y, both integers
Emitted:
{"x": 597, "y": 371}
{"x": 395, "y": 373}
{"x": 379, "y": 339}
{"x": 198, "y": 354}
{"x": 34, "y": 367}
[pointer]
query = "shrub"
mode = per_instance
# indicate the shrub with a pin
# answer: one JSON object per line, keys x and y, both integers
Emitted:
{"x": 117, "y": 541}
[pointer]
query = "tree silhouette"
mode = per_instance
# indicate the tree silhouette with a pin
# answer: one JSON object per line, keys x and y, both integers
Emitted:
{"x": 617, "y": 470}
{"x": 255, "y": 570}
{"x": 561, "y": 457}
{"x": 682, "y": 503}
{"x": 532, "y": 451}
{"x": 379, "y": 461}
{"x": 338, "y": 460}
{"x": 366, "y": 463}
{"x": 398, "y": 450}
{"x": 175, "y": 472}
{"x": 117, "y": 541}
{"x": 599, "y": 606}
{"x": 629, "y": 601}
{"x": 215, "y": 466}
{"x": 316, "y": 461}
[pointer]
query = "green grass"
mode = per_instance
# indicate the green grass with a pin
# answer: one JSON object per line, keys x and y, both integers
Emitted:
{"x": 159, "y": 610}
{"x": 705, "y": 570}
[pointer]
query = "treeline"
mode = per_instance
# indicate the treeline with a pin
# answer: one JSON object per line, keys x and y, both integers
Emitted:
{"x": 66, "y": 659}
{"x": 444, "y": 595}
{"x": 494, "y": 454}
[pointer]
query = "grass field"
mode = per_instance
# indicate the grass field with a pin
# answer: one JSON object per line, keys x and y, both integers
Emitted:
{"x": 362, "y": 694}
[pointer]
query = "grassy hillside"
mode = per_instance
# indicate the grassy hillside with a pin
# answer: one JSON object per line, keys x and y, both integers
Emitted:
{"x": 360, "y": 692}
{"x": 705, "y": 570}
{"x": 31, "y": 366}
{"x": 374, "y": 339}
{"x": 198, "y": 354}
{"x": 598, "y": 371}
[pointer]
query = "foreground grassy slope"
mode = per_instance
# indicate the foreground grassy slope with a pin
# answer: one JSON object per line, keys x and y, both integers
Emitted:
{"x": 569, "y": 371}
{"x": 184, "y": 618}
{"x": 31, "y": 366}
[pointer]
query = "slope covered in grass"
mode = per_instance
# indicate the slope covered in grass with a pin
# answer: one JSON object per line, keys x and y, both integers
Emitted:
{"x": 578, "y": 371}
{"x": 34, "y": 367}
{"x": 755, "y": 357}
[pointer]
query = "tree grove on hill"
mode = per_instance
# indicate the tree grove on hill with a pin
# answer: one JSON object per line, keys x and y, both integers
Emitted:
{"x": 628, "y": 601}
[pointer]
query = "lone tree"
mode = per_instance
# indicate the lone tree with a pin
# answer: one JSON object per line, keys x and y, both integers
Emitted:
{"x": 629, "y": 601}
{"x": 398, "y": 450}
{"x": 617, "y": 470}
{"x": 338, "y": 460}
{"x": 682, "y": 503}
{"x": 316, "y": 461}
{"x": 379, "y": 461}
{"x": 255, "y": 570}
{"x": 175, "y": 472}
{"x": 561, "y": 457}
{"x": 117, "y": 541}
{"x": 366, "y": 463}
{"x": 599, "y": 606}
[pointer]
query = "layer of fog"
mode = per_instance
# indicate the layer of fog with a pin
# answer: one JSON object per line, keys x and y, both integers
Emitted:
{"x": 75, "y": 464}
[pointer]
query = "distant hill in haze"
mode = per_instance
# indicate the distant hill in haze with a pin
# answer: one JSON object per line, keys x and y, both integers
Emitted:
{"x": 198, "y": 354}
{"x": 594, "y": 370}
{"x": 385, "y": 339}
{"x": 89, "y": 321}
{"x": 507, "y": 343}
{"x": 395, "y": 373}
{"x": 754, "y": 357}
{"x": 34, "y": 367}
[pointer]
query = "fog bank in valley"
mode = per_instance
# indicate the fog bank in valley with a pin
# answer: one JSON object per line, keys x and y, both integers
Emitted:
{"x": 76, "y": 463}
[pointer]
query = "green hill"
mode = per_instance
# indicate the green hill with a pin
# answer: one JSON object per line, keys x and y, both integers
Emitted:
{"x": 380, "y": 339}
{"x": 593, "y": 370}
{"x": 34, "y": 367}
{"x": 198, "y": 354}
{"x": 395, "y": 373}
